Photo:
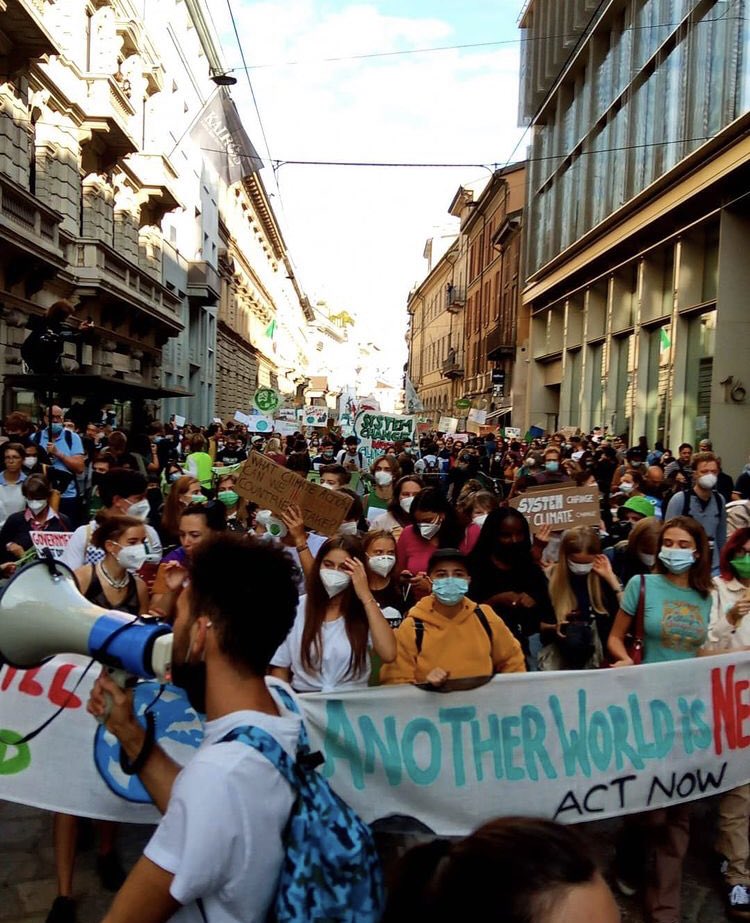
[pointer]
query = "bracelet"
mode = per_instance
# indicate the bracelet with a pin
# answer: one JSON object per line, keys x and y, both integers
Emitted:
{"x": 304, "y": 547}
{"x": 132, "y": 769}
{"x": 371, "y": 600}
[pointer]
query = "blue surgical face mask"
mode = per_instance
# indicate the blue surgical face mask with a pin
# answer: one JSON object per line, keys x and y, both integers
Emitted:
{"x": 450, "y": 590}
{"x": 56, "y": 428}
{"x": 677, "y": 560}
{"x": 552, "y": 465}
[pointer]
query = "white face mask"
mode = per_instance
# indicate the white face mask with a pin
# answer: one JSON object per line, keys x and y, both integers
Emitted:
{"x": 383, "y": 478}
{"x": 329, "y": 486}
{"x": 36, "y": 506}
{"x": 481, "y": 519}
{"x": 132, "y": 557}
{"x": 348, "y": 528}
{"x": 29, "y": 462}
{"x": 405, "y": 503}
{"x": 707, "y": 481}
{"x": 580, "y": 569}
{"x": 382, "y": 564}
{"x": 334, "y": 581}
{"x": 429, "y": 530}
{"x": 648, "y": 559}
{"x": 626, "y": 486}
{"x": 139, "y": 510}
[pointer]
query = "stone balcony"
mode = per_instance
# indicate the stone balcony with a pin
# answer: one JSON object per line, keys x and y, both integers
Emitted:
{"x": 110, "y": 112}
{"x": 22, "y": 29}
{"x": 100, "y": 271}
{"x": 30, "y": 227}
{"x": 203, "y": 283}
{"x": 155, "y": 176}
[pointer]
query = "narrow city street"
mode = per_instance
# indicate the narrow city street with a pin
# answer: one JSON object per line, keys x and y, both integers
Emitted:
{"x": 27, "y": 878}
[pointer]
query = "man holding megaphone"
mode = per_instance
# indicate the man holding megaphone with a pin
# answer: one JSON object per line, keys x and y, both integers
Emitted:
{"x": 217, "y": 853}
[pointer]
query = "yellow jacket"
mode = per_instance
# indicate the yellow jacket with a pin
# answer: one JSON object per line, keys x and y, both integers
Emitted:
{"x": 459, "y": 645}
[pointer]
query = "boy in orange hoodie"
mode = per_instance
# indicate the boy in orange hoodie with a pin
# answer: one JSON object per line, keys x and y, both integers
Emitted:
{"x": 447, "y": 636}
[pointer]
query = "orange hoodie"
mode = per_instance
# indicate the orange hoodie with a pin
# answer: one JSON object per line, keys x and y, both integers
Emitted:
{"x": 458, "y": 645}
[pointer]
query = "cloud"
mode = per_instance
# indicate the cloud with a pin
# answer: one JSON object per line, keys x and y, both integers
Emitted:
{"x": 357, "y": 234}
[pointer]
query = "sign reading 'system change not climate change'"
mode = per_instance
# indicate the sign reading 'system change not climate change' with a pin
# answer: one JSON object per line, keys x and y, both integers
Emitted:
{"x": 378, "y": 431}
{"x": 559, "y": 508}
{"x": 574, "y": 745}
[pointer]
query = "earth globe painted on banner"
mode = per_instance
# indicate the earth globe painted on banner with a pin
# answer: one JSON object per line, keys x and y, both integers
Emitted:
{"x": 179, "y": 732}
{"x": 266, "y": 400}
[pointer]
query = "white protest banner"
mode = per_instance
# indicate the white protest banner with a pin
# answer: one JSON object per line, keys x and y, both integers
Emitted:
{"x": 54, "y": 542}
{"x": 256, "y": 423}
{"x": 512, "y": 432}
{"x": 274, "y": 488}
{"x": 574, "y": 745}
{"x": 284, "y": 428}
{"x": 377, "y": 431}
{"x": 315, "y": 416}
{"x": 559, "y": 508}
{"x": 447, "y": 425}
{"x": 178, "y": 421}
{"x": 241, "y": 417}
{"x": 478, "y": 416}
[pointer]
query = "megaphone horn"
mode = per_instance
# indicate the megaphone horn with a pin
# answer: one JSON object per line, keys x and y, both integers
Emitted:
{"x": 43, "y": 613}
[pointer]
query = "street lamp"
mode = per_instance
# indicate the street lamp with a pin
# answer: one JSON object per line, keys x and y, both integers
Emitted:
{"x": 223, "y": 80}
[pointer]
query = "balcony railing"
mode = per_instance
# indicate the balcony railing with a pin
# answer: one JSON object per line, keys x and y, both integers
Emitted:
{"x": 29, "y": 223}
{"x": 453, "y": 367}
{"x": 203, "y": 283}
{"x": 109, "y": 110}
{"x": 455, "y": 299}
{"x": 100, "y": 267}
{"x": 500, "y": 342}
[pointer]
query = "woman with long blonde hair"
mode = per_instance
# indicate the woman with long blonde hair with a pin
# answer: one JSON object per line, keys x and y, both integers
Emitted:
{"x": 585, "y": 598}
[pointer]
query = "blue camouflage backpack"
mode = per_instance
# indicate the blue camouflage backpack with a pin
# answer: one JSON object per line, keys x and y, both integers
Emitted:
{"x": 331, "y": 870}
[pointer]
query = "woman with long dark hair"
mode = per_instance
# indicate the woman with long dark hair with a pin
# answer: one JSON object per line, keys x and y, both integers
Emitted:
{"x": 337, "y": 623}
{"x": 506, "y": 576}
{"x": 676, "y": 604}
{"x": 434, "y": 524}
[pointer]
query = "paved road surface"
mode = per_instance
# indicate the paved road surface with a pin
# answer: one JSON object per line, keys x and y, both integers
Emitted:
{"x": 27, "y": 884}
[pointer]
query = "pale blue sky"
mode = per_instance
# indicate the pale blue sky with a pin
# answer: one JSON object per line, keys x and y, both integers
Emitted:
{"x": 356, "y": 235}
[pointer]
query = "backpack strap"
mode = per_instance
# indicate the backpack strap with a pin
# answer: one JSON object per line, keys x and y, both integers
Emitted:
{"x": 686, "y": 502}
{"x": 419, "y": 629}
{"x": 418, "y": 634}
{"x": 479, "y": 612}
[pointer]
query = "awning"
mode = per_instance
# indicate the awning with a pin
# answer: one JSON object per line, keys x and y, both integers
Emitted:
{"x": 496, "y": 414}
{"x": 88, "y": 386}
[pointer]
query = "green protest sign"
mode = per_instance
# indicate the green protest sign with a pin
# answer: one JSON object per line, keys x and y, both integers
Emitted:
{"x": 266, "y": 400}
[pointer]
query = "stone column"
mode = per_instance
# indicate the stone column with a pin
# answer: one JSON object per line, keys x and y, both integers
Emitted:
{"x": 15, "y": 128}
{"x": 127, "y": 215}
{"x": 98, "y": 215}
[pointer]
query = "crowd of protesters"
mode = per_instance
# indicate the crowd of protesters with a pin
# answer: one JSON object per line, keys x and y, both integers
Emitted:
{"x": 433, "y": 578}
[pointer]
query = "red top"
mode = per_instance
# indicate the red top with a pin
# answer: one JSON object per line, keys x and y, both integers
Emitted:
{"x": 413, "y": 552}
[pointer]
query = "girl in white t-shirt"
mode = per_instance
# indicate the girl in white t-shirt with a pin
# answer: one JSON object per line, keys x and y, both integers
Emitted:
{"x": 337, "y": 623}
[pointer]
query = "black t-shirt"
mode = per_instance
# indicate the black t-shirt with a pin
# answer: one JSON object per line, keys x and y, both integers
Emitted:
{"x": 530, "y": 579}
{"x": 231, "y": 456}
{"x": 390, "y": 596}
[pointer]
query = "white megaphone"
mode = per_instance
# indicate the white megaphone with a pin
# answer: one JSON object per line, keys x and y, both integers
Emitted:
{"x": 43, "y": 613}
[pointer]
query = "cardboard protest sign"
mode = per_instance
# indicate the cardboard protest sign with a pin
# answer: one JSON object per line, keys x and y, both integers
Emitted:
{"x": 275, "y": 488}
{"x": 559, "y": 507}
{"x": 378, "y": 431}
{"x": 54, "y": 542}
{"x": 512, "y": 432}
{"x": 571, "y": 745}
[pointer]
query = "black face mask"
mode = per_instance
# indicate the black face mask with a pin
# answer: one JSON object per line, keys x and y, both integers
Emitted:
{"x": 192, "y": 678}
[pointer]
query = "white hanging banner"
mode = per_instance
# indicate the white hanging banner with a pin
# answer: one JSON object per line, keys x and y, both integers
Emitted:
{"x": 575, "y": 746}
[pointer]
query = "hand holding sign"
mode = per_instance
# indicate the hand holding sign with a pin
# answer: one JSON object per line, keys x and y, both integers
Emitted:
{"x": 275, "y": 488}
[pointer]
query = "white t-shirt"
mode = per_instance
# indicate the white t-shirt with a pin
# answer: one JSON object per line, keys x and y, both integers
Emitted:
{"x": 75, "y": 551}
{"x": 335, "y": 654}
{"x": 221, "y": 836}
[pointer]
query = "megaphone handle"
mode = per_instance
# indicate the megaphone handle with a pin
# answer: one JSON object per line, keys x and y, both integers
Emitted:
{"x": 121, "y": 678}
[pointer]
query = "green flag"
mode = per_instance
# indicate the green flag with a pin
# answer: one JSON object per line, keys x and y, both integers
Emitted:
{"x": 271, "y": 329}
{"x": 664, "y": 340}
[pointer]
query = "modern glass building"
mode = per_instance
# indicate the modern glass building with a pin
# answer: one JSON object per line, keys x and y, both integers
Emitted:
{"x": 638, "y": 217}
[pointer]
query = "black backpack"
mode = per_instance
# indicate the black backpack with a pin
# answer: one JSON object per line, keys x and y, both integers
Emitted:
{"x": 686, "y": 494}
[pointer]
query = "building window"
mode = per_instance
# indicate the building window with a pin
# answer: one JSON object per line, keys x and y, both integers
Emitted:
{"x": 700, "y": 363}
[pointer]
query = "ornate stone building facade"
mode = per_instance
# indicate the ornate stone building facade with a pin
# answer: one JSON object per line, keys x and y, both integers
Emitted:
{"x": 106, "y": 200}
